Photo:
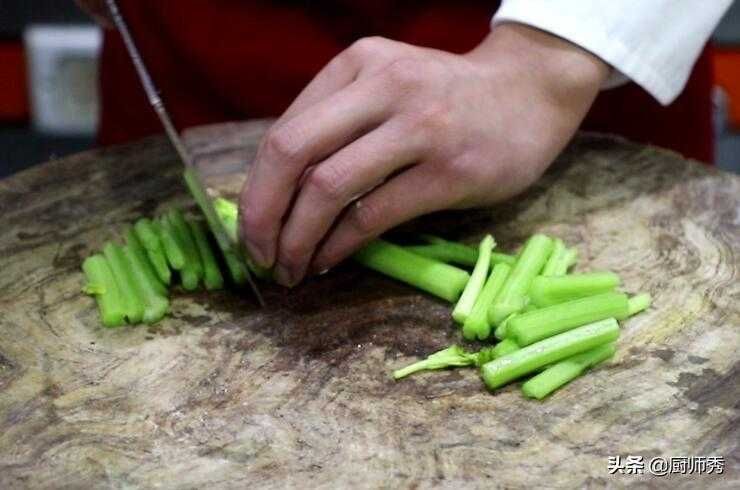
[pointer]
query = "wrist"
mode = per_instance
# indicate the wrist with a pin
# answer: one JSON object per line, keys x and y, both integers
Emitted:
{"x": 565, "y": 72}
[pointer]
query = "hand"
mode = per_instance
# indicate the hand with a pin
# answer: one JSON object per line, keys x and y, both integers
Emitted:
{"x": 388, "y": 131}
{"x": 98, "y": 10}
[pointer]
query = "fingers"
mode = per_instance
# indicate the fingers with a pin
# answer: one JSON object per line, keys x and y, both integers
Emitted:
{"x": 289, "y": 148}
{"x": 358, "y": 60}
{"x": 335, "y": 182}
{"x": 417, "y": 191}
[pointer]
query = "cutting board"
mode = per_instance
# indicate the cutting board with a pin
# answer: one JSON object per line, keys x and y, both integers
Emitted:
{"x": 224, "y": 394}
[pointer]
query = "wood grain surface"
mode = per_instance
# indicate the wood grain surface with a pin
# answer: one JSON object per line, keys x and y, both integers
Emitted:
{"x": 225, "y": 395}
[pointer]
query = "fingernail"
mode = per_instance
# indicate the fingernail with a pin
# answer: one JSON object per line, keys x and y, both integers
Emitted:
{"x": 283, "y": 276}
{"x": 256, "y": 254}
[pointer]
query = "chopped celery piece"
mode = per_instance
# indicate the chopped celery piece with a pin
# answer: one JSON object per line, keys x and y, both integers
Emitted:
{"x": 529, "y": 263}
{"x": 143, "y": 262}
{"x": 212, "y": 277}
{"x": 184, "y": 235}
{"x": 534, "y": 326}
{"x": 133, "y": 301}
{"x": 155, "y": 305}
{"x": 148, "y": 234}
{"x": 565, "y": 371}
{"x": 502, "y": 331}
{"x": 102, "y": 284}
{"x": 227, "y": 212}
{"x": 476, "y": 325}
{"x": 237, "y": 268}
{"x": 638, "y": 303}
{"x": 551, "y": 265}
{"x": 545, "y": 352}
{"x": 565, "y": 261}
{"x": 465, "y": 304}
{"x": 172, "y": 248}
{"x": 506, "y": 346}
{"x": 462, "y": 255}
{"x": 437, "y": 278}
{"x": 546, "y": 291}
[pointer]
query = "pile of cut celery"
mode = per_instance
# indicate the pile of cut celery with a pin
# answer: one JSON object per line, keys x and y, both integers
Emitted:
{"x": 131, "y": 280}
{"x": 544, "y": 321}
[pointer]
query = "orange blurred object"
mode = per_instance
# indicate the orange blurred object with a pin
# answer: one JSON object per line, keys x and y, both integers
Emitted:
{"x": 727, "y": 75}
{"x": 13, "y": 91}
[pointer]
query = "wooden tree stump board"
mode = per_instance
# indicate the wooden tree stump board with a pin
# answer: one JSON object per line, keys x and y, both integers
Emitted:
{"x": 226, "y": 395}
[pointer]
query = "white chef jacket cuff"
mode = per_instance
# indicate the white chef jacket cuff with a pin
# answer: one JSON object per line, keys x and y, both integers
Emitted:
{"x": 570, "y": 24}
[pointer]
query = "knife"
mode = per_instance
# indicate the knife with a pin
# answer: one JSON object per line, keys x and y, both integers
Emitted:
{"x": 192, "y": 178}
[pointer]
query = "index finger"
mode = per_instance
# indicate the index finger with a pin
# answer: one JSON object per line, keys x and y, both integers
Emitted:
{"x": 289, "y": 148}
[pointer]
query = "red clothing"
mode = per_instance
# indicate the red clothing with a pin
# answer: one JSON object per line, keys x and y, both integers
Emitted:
{"x": 223, "y": 60}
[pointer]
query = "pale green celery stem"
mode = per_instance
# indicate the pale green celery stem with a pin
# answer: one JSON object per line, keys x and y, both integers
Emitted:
{"x": 228, "y": 213}
{"x": 155, "y": 305}
{"x": 529, "y": 263}
{"x": 131, "y": 295}
{"x": 172, "y": 248}
{"x": 465, "y": 304}
{"x": 534, "y": 326}
{"x": 565, "y": 371}
{"x": 502, "y": 331}
{"x": 440, "y": 279}
{"x": 540, "y": 354}
{"x": 143, "y": 262}
{"x": 558, "y": 250}
{"x": 506, "y": 346}
{"x": 187, "y": 241}
{"x": 567, "y": 260}
{"x": 212, "y": 278}
{"x": 459, "y": 254}
{"x": 102, "y": 284}
{"x": 638, "y": 303}
{"x": 476, "y": 325}
{"x": 546, "y": 291}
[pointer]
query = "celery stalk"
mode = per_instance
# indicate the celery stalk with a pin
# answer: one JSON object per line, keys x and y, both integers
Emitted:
{"x": 476, "y": 325}
{"x": 148, "y": 234}
{"x": 212, "y": 278}
{"x": 437, "y": 278}
{"x": 131, "y": 294}
{"x": 534, "y": 326}
{"x": 638, "y": 303}
{"x": 529, "y": 263}
{"x": 102, "y": 285}
{"x": 155, "y": 305}
{"x": 558, "y": 250}
{"x": 565, "y": 371}
{"x": 465, "y": 304}
{"x": 545, "y": 352}
{"x": 171, "y": 245}
{"x": 546, "y": 291}
{"x": 143, "y": 262}
{"x": 506, "y": 346}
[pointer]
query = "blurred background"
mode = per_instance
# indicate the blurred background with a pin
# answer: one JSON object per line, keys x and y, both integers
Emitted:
{"x": 49, "y": 97}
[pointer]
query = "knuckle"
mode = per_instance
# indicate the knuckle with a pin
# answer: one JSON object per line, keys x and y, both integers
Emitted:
{"x": 405, "y": 73}
{"x": 366, "y": 47}
{"x": 435, "y": 118}
{"x": 280, "y": 146}
{"x": 327, "y": 182}
{"x": 365, "y": 218}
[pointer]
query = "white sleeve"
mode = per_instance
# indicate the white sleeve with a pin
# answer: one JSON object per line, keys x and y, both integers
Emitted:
{"x": 654, "y": 43}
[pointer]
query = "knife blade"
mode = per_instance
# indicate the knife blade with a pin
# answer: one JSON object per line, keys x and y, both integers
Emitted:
{"x": 191, "y": 176}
